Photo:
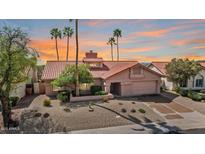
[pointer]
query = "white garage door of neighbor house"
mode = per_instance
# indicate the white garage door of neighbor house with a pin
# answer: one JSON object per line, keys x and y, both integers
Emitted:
{"x": 146, "y": 87}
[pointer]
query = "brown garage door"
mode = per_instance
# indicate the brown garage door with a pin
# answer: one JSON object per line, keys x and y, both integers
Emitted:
{"x": 140, "y": 88}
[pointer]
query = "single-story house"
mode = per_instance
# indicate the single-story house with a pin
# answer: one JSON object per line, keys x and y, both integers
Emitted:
{"x": 196, "y": 83}
{"x": 123, "y": 78}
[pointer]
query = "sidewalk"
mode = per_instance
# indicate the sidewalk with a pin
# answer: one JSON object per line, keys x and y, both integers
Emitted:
{"x": 151, "y": 128}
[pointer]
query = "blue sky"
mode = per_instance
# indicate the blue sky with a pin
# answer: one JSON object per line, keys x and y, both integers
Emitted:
{"x": 143, "y": 40}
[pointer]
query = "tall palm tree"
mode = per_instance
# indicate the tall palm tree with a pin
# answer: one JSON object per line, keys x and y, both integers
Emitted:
{"x": 77, "y": 91}
{"x": 111, "y": 42}
{"x": 117, "y": 33}
{"x": 67, "y": 32}
{"x": 55, "y": 34}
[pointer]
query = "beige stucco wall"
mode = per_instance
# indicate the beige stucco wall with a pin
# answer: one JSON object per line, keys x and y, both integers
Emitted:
{"x": 149, "y": 83}
{"x": 191, "y": 85}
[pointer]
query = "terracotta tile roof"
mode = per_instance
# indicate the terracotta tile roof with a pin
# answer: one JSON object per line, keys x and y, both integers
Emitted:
{"x": 161, "y": 66}
{"x": 202, "y": 64}
{"x": 54, "y": 68}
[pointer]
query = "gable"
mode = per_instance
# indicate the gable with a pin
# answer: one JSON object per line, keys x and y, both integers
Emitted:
{"x": 126, "y": 75}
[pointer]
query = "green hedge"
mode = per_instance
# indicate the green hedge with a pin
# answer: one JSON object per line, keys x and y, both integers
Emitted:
{"x": 64, "y": 96}
{"x": 183, "y": 92}
{"x": 101, "y": 93}
{"x": 194, "y": 95}
{"x": 95, "y": 88}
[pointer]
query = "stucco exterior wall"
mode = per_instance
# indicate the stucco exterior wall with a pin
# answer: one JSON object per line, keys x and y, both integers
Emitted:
{"x": 18, "y": 90}
{"x": 148, "y": 83}
{"x": 192, "y": 85}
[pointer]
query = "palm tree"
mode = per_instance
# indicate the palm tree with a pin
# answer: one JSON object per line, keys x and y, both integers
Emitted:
{"x": 111, "y": 42}
{"x": 67, "y": 32}
{"x": 117, "y": 33}
{"x": 55, "y": 34}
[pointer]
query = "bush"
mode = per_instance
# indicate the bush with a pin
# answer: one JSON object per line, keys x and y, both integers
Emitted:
{"x": 183, "y": 92}
{"x": 13, "y": 101}
{"x": 123, "y": 110}
{"x": 95, "y": 88}
{"x": 142, "y": 111}
{"x": 101, "y": 93}
{"x": 177, "y": 89}
{"x": 194, "y": 95}
{"x": 133, "y": 110}
{"x": 47, "y": 102}
{"x": 64, "y": 96}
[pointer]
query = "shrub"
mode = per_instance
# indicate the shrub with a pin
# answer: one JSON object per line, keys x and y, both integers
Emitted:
{"x": 46, "y": 115}
{"x": 142, "y": 111}
{"x": 123, "y": 110}
{"x": 183, "y": 92}
{"x": 47, "y": 102}
{"x": 177, "y": 89}
{"x": 197, "y": 97}
{"x": 194, "y": 95}
{"x": 13, "y": 101}
{"x": 64, "y": 96}
{"x": 95, "y": 88}
{"x": 133, "y": 110}
{"x": 101, "y": 93}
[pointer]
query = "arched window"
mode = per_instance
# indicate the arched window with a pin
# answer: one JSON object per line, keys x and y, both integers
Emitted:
{"x": 199, "y": 81}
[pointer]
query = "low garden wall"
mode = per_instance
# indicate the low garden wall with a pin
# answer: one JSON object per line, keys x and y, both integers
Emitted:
{"x": 90, "y": 98}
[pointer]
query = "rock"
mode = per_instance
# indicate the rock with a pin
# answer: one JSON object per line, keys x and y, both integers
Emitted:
{"x": 32, "y": 124}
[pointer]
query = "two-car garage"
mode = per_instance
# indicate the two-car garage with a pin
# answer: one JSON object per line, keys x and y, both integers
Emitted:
{"x": 135, "y": 88}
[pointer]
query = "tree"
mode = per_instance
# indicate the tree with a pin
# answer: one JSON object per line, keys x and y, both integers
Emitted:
{"x": 117, "y": 33}
{"x": 55, "y": 34}
{"x": 67, "y": 32}
{"x": 111, "y": 42}
{"x": 68, "y": 76}
{"x": 16, "y": 59}
{"x": 77, "y": 90}
{"x": 180, "y": 70}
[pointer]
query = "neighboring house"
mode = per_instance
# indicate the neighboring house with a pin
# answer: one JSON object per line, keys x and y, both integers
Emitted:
{"x": 19, "y": 90}
{"x": 196, "y": 83}
{"x": 123, "y": 78}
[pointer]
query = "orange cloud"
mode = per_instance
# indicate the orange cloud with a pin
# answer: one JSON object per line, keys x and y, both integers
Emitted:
{"x": 154, "y": 33}
{"x": 47, "y": 50}
{"x": 187, "y": 42}
{"x": 141, "y": 49}
{"x": 179, "y": 42}
{"x": 198, "y": 47}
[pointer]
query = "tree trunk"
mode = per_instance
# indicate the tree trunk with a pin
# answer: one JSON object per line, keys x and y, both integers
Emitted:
{"x": 67, "y": 48}
{"x": 6, "y": 111}
{"x": 112, "y": 51}
{"x": 57, "y": 49}
{"x": 77, "y": 50}
{"x": 117, "y": 50}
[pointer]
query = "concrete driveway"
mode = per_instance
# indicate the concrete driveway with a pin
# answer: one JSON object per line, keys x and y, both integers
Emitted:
{"x": 176, "y": 112}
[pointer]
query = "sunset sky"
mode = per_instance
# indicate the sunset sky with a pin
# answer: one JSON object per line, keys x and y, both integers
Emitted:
{"x": 142, "y": 40}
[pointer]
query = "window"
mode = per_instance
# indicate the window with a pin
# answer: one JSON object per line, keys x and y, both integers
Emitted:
{"x": 199, "y": 82}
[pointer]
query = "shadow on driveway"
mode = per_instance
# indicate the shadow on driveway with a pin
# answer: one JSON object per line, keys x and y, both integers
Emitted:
{"x": 148, "y": 124}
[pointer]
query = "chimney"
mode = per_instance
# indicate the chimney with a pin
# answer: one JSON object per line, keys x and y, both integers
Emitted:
{"x": 91, "y": 54}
